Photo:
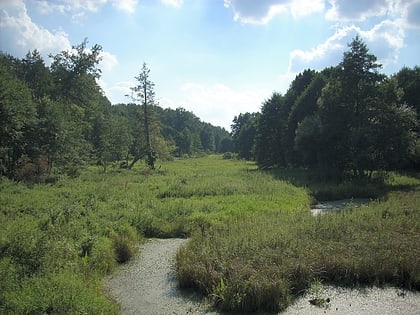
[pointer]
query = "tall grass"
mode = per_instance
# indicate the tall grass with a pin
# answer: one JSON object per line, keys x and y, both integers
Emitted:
{"x": 253, "y": 245}
{"x": 82, "y": 228}
{"x": 264, "y": 261}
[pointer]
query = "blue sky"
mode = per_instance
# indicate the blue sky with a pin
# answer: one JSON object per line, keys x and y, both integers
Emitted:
{"x": 217, "y": 58}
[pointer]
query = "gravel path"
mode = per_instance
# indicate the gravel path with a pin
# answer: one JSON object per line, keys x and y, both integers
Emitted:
{"x": 147, "y": 286}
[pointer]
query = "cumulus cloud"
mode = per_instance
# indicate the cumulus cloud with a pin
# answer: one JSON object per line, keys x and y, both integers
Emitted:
{"x": 263, "y": 11}
{"x": 108, "y": 62}
{"x": 78, "y": 7}
{"x": 173, "y": 3}
{"x": 384, "y": 40}
{"x": 128, "y": 6}
{"x": 325, "y": 54}
{"x": 357, "y": 10}
{"x": 20, "y": 33}
{"x": 412, "y": 15}
{"x": 116, "y": 92}
{"x": 217, "y": 104}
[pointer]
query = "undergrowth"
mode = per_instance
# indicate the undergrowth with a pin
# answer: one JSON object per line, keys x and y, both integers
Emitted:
{"x": 254, "y": 244}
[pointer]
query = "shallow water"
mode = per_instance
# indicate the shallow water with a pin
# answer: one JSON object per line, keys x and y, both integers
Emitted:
{"x": 358, "y": 301}
{"x": 338, "y": 205}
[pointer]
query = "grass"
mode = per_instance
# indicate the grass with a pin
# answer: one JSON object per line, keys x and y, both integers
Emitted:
{"x": 264, "y": 261}
{"x": 254, "y": 244}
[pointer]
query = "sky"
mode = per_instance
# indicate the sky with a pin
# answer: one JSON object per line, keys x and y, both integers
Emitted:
{"x": 216, "y": 58}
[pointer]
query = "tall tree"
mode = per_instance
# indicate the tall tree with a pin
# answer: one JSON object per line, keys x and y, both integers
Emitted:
{"x": 17, "y": 119}
{"x": 271, "y": 127}
{"x": 74, "y": 74}
{"x": 360, "y": 79}
{"x": 244, "y": 130}
{"x": 144, "y": 93}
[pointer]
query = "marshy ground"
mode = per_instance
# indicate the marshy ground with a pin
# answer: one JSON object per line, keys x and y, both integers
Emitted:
{"x": 147, "y": 285}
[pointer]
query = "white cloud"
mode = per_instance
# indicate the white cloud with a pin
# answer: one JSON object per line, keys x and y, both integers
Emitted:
{"x": 65, "y": 6}
{"x": 173, "y": 3}
{"x": 357, "y": 10}
{"x": 217, "y": 104}
{"x": 302, "y": 8}
{"x": 20, "y": 34}
{"x": 412, "y": 15}
{"x": 78, "y": 8}
{"x": 108, "y": 62}
{"x": 118, "y": 92}
{"x": 16, "y": 24}
{"x": 128, "y": 6}
{"x": 263, "y": 11}
{"x": 323, "y": 55}
{"x": 384, "y": 40}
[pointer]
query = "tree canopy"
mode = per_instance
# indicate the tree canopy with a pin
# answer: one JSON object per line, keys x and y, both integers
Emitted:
{"x": 56, "y": 119}
{"x": 345, "y": 121}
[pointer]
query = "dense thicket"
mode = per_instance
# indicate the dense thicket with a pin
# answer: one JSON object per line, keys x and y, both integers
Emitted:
{"x": 58, "y": 116}
{"x": 345, "y": 121}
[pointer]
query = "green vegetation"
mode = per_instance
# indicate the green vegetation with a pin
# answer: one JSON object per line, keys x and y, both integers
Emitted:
{"x": 56, "y": 119}
{"x": 262, "y": 261}
{"x": 254, "y": 244}
{"x": 347, "y": 121}
{"x": 339, "y": 133}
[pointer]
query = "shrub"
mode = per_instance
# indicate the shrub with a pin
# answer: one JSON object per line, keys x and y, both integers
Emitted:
{"x": 102, "y": 258}
{"x": 125, "y": 243}
{"x": 25, "y": 244}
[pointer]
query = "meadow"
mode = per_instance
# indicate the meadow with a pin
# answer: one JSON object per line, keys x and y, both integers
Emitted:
{"x": 254, "y": 244}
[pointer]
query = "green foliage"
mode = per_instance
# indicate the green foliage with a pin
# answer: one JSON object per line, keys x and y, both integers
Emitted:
{"x": 262, "y": 262}
{"x": 56, "y": 119}
{"x": 346, "y": 121}
{"x": 254, "y": 244}
{"x": 17, "y": 119}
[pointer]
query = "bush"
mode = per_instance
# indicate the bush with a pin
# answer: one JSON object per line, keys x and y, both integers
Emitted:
{"x": 25, "y": 244}
{"x": 102, "y": 258}
{"x": 125, "y": 243}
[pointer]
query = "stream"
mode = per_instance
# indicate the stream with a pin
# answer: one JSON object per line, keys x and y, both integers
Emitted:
{"x": 338, "y": 205}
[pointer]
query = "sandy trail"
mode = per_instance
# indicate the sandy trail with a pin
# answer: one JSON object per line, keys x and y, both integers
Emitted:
{"x": 147, "y": 286}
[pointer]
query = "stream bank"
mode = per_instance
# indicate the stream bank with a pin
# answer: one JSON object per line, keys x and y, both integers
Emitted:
{"x": 147, "y": 285}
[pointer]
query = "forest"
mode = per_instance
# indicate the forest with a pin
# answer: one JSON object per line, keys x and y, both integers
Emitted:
{"x": 55, "y": 120}
{"x": 348, "y": 121}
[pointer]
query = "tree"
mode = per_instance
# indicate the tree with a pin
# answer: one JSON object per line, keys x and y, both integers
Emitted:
{"x": 360, "y": 79}
{"x": 36, "y": 75}
{"x": 346, "y": 110}
{"x": 308, "y": 141}
{"x": 74, "y": 73}
{"x": 304, "y": 106}
{"x": 393, "y": 128}
{"x": 207, "y": 139}
{"x": 17, "y": 120}
{"x": 244, "y": 131}
{"x": 115, "y": 139}
{"x": 144, "y": 92}
{"x": 270, "y": 129}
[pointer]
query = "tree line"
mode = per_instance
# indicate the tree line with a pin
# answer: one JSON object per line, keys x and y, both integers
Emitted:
{"x": 57, "y": 118}
{"x": 344, "y": 121}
